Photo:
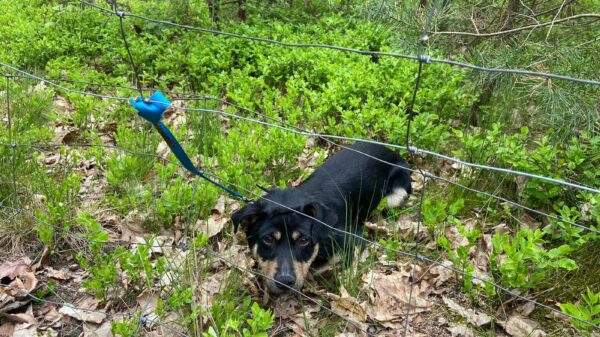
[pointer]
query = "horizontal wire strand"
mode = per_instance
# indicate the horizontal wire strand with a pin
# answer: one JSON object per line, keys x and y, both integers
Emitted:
{"x": 345, "y": 49}
{"x": 374, "y": 244}
{"x": 321, "y": 135}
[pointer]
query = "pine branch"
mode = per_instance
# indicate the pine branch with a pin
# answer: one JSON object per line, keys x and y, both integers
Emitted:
{"x": 554, "y": 22}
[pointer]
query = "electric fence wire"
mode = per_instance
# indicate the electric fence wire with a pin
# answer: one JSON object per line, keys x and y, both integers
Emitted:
{"x": 421, "y": 59}
{"x": 345, "y": 49}
{"x": 300, "y": 131}
{"x": 21, "y": 293}
{"x": 375, "y": 244}
{"x": 372, "y": 243}
{"x": 316, "y": 134}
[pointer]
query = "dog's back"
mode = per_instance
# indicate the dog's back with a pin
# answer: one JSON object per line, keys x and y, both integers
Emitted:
{"x": 356, "y": 179}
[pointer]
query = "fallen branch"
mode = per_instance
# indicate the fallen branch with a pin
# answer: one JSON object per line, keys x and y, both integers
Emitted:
{"x": 579, "y": 16}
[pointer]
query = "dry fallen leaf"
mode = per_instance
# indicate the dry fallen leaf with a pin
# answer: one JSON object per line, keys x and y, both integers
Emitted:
{"x": 473, "y": 317}
{"x": 442, "y": 274}
{"x": 519, "y": 326}
{"x": 51, "y": 315}
{"x": 18, "y": 325}
{"x": 62, "y": 274}
{"x": 303, "y": 323}
{"x": 66, "y": 135}
{"x": 211, "y": 227}
{"x": 219, "y": 207}
{"x": 461, "y": 330}
{"x": 209, "y": 287}
{"x": 407, "y": 228}
{"x": 94, "y": 330}
{"x": 84, "y": 309}
{"x": 148, "y": 301}
{"x": 162, "y": 150}
{"x": 18, "y": 279}
{"x": 526, "y": 309}
{"x": 349, "y": 307}
{"x": 377, "y": 227}
{"x": 286, "y": 306}
{"x": 390, "y": 299}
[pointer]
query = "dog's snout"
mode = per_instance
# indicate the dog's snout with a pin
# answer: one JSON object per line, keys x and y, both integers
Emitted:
{"x": 285, "y": 275}
{"x": 285, "y": 281}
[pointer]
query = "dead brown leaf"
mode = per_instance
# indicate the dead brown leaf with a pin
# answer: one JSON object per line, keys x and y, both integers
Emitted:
{"x": 19, "y": 325}
{"x": 349, "y": 307}
{"x": 51, "y": 315}
{"x": 461, "y": 330}
{"x": 66, "y": 135}
{"x": 519, "y": 326}
{"x": 526, "y": 309}
{"x": 304, "y": 323}
{"x": 18, "y": 278}
{"x": 85, "y": 309}
{"x": 407, "y": 228}
{"x": 377, "y": 227}
{"x": 63, "y": 274}
{"x": 286, "y": 306}
{"x": 212, "y": 226}
{"x": 133, "y": 226}
{"x": 390, "y": 300}
{"x": 441, "y": 274}
{"x": 209, "y": 287}
{"x": 148, "y": 301}
{"x": 162, "y": 150}
{"x": 95, "y": 330}
{"x": 472, "y": 316}
{"x": 219, "y": 208}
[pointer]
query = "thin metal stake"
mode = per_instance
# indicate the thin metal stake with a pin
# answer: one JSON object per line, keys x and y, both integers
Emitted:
{"x": 416, "y": 255}
{"x": 422, "y": 59}
{"x": 12, "y": 145}
{"x": 121, "y": 15}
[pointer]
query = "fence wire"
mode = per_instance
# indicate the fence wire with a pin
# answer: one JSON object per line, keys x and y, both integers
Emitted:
{"x": 344, "y": 49}
{"x": 300, "y": 131}
{"x": 372, "y": 243}
{"x": 296, "y": 130}
{"x": 415, "y": 255}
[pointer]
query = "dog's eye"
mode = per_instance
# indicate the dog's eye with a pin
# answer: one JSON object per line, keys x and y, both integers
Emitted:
{"x": 268, "y": 240}
{"x": 303, "y": 241}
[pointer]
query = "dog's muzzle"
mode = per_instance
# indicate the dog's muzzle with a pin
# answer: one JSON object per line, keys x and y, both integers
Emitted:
{"x": 284, "y": 277}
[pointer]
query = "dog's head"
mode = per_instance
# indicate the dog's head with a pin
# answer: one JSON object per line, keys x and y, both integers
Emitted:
{"x": 284, "y": 240}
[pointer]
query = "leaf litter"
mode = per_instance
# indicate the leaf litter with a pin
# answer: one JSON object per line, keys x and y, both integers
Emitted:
{"x": 388, "y": 292}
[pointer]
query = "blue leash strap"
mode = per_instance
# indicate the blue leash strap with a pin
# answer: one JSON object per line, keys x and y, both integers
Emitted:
{"x": 152, "y": 110}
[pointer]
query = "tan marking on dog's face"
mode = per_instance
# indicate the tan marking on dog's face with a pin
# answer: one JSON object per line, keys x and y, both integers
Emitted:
{"x": 295, "y": 235}
{"x": 277, "y": 235}
{"x": 255, "y": 251}
{"x": 301, "y": 268}
{"x": 268, "y": 268}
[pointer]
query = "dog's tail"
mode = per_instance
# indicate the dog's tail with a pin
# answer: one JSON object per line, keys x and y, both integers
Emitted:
{"x": 399, "y": 185}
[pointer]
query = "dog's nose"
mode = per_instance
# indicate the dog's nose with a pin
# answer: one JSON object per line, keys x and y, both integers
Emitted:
{"x": 285, "y": 282}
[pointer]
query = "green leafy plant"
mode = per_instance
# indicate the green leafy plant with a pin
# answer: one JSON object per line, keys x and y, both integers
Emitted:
{"x": 587, "y": 311}
{"x": 522, "y": 261}
{"x": 460, "y": 255}
{"x": 257, "y": 325}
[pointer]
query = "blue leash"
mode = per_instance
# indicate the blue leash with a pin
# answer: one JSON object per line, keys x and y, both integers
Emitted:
{"x": 152, "y": 110}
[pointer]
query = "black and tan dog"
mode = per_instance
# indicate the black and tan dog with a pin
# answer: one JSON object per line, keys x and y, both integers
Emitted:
{"x": 281, "y": 229}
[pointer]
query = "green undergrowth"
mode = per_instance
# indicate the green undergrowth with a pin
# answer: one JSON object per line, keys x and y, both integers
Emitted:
{"x": 315, "y": 89}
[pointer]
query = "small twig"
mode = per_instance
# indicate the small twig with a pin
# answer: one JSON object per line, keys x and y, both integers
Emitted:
{"x": 473, "y": 22}
{"x": 579, "y": 16}
{"x": 554, "y": 18}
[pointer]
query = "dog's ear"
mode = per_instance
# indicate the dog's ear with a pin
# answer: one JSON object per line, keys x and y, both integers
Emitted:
{"x": 247, "y": 216}
{"x": 322, "y": 213}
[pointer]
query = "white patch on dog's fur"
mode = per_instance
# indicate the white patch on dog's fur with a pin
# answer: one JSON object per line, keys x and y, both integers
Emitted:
{"x": 396, "y": 198}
